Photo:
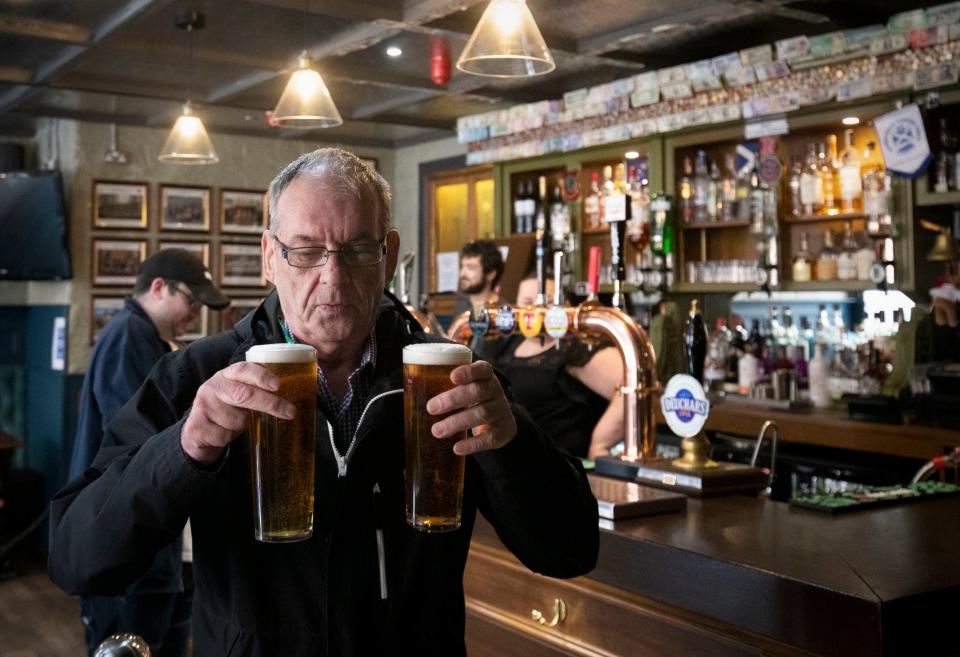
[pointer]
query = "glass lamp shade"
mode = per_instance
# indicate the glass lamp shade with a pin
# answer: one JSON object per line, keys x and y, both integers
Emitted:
{"x": 506, "y": 44}
{"x": 188, "y": 142}
{"x": 306, "y": 101}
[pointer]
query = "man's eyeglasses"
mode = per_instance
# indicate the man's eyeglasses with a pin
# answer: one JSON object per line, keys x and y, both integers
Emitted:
{"x": 195, "y": 303}
{"x": 361, "y": 254}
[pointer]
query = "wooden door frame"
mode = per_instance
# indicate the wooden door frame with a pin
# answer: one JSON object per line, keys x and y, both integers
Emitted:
{"x": 469, "y": 175}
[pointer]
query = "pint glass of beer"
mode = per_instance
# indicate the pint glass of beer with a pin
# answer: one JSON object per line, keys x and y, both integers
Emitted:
{"x": 282, "y": 451}
{"x": 433, "y": 473}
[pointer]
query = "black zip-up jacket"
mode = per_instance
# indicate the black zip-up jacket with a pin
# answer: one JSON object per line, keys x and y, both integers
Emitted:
{"x": 322, "y": 596}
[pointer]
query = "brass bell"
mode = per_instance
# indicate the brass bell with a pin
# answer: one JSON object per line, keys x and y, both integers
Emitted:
{"x": 944, "y": 249}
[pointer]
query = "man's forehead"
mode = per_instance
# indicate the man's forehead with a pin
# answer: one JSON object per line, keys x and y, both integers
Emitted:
{"x": 310, "y": 205}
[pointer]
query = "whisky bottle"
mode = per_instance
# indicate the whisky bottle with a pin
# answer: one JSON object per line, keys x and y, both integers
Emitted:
{"x": 850, "y": 180}
{"x": 801, "y": 262}
{"x": 827, "y": 260}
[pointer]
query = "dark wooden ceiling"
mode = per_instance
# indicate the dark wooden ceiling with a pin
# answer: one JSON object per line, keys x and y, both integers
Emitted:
{"x": 124, "y": 61}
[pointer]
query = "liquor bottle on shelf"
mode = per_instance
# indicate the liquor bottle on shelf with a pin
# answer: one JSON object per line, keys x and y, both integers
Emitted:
{"x": 661, "y": 233}
{"x": 743, "y": 194}
{"x": 519, "y": 208}
{"x": 851, "y": 186}
{"x": 714, "y": 193}
{"x": 559, "y": 218}
{"x": 827, "y": 178}
{"x": 540, "y": 222}
{"x": 532, "y": 202}
{"x": 607, "y": 188}
{"x": 695, "y": 341}
{"x": 592, "y": 204}
{"x": 945, "y": 169}
{"x": 737, "y": 343}
{"x": 728, "y": 190}
{"x": 701, "y": 185}
{"x": 827, "y": 260}
{"x": 802, "y": 266}
{"x": 811, "y": 187}
{"x": 715, "y": 366}
{"x": 794, "y": 201}
{"x": 748, "y": 367}
{"x": 847, "y": 258}
{"x": 686, "y": 192}
{"x": 637, "y": 182}
{"x": 819, "y": 377}
{"x": 865, "y": 256}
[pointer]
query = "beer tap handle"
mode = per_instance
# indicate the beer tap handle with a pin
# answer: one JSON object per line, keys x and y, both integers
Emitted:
{"x": 593, "y": 273}
{"x": 557, "y": 277}
{"x": 618, "y": 232}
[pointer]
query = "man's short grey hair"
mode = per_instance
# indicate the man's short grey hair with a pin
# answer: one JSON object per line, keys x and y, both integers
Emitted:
{"x": 349, "y": 176}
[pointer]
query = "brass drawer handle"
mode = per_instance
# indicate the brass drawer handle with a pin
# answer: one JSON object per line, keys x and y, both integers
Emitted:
{"x": 559, "y": 614}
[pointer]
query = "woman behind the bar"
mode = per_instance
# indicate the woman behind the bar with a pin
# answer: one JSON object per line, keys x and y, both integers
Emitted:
{"x": 570, "y": 390}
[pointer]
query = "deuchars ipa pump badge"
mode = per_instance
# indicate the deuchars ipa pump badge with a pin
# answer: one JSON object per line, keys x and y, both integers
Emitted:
{"x": 685, "y": 405}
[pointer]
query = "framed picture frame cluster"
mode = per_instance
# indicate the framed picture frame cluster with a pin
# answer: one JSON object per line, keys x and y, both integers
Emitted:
{"x": 222, "y": 226}
{"x": 125, "y": 206}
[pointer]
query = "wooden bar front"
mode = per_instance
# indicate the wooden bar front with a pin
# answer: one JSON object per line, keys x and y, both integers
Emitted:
{"x": 734, "y": 576}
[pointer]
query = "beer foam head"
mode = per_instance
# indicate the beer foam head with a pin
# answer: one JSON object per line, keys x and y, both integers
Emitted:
{"x": 437, "y": 353}
{"x": 281, "y": 353}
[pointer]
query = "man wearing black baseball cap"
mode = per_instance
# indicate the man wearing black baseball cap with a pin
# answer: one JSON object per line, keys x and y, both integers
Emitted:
{"x": 169, "y": 294}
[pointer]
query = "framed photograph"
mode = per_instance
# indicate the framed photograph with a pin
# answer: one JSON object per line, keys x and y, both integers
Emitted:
{"x": 199, "y": 249}
{"x": 119, "y": 204}
{"x": 240, "y": 265}
{"x": 197, "y": 329}
{"x": 237, "y": 310}
{"x": 117, "y": 262}
{"x": 369, "y": 161}
{"x": 243, "y": 211}
{"x": 184, "y": 208}
{"x": 102, "y": 310}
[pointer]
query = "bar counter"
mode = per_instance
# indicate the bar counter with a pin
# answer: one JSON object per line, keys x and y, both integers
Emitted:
{"x": 830, "y": 428}
{"x": 734, "y": 575}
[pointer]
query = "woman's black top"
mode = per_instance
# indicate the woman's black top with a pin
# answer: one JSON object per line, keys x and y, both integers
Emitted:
{"x": 562, "y": 405}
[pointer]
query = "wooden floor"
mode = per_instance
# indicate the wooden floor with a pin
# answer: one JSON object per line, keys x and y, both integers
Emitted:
{"x": 37, "y": 619}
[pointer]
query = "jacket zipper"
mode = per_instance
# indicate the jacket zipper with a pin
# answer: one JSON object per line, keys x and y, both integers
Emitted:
{"x": 344, "y": 461}
{"x": 381, "y": 556}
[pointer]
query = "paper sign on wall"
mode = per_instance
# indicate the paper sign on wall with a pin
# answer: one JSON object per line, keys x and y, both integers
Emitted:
{"x": 448, "y": 271}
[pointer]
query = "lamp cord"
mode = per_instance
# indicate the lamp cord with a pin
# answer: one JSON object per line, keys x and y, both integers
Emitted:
{"x": 306, "y": 24}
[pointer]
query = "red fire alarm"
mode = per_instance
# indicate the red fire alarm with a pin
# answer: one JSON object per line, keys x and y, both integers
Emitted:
{"x": 440, "y": 61}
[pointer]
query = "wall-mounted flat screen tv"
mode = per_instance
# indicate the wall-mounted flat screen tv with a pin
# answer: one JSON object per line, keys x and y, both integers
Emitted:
{"x": 33, "y": 227}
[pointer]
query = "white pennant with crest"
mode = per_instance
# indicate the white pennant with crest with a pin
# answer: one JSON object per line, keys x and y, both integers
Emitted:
{"x": 904, "y": 141}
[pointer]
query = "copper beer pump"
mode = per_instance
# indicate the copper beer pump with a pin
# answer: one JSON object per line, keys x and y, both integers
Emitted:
{"x": 588, "y": 321}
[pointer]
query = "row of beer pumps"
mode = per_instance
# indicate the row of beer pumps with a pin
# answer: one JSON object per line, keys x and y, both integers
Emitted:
{"x": 589, "y": 321}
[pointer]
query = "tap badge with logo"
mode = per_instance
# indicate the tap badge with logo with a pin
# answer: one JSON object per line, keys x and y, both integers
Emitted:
{"x": 479, "y": 321}
{"x": 531, "y": 321}
{"x": 505, "y": 321}
{"x": 555, "y": 322}
{"x": 685, "y": 405}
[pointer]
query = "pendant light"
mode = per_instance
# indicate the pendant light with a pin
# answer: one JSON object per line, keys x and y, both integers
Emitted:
{"x": 506, "y": 43}
{"x": 305, "y": 101}
{"x": 188, "y": 142}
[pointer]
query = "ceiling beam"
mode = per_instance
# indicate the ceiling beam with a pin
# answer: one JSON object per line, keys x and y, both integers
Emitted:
{"x": 15, "y": 75}
{"x": 351, "y": 11}
{"x": 603, "y": 42}
{"x": 43, "y": 29}
{"x": 396, "y": 102}
{"x": 67, "y": 54}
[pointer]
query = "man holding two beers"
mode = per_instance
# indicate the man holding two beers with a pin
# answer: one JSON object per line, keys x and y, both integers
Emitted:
{"x": 338, "y": 543}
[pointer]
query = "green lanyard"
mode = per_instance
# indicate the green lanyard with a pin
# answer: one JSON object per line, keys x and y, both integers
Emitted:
{"x": 287, "y": 335}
